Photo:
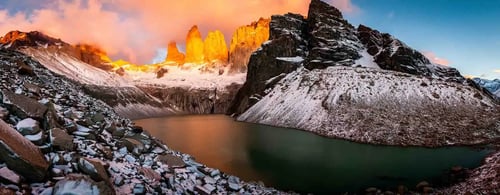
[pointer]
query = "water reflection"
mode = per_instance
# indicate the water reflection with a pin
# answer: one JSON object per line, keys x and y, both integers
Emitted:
{"x": 301, "y": 161}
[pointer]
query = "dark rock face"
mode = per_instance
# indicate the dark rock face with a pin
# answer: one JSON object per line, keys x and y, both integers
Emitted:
{"x": 392, "y": 54}
{"x": 325, "y": 39}
{"x": 21, "y": 155}
{"x": 332, "y": 40}
{"x": 285, "y": 41}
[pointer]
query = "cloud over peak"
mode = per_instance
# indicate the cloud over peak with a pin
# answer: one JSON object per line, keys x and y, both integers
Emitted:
{"x": 435, "y": 59}
{"x": 134, "y": 30}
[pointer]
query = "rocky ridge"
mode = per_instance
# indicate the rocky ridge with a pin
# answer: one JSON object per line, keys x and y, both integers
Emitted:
{"x": 159, "y": 96}
{"x": 326, "y": 39}
{"x": 79, "y": 145}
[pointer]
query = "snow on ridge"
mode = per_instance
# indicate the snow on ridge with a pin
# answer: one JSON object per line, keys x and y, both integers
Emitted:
{"x": 350, "y": 102}
{"x": 296, "y": 59}
{"x": 63, "y": 64}
{"x": 366, "y": 60}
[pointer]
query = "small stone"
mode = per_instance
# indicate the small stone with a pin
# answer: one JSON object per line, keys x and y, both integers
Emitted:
{"x": 209, "y": 180}
{"x": 158, "y": 150}
{"x": 427, "y": 190}
{"x": 32, "y": 88}
{"x": 81, "y": 184}
{"x": 118, "y": 181}
{"x": 24, "y": 69}
{"x": 371, "y": 190}
{"x": 3, "y": 113}
{"x": 420, "y": 186}
{"x": 202, "y": 190}
{"x": 130, "y": 159}
{"x": 171, "y": 160}
{"x": 98, "y": 118}
{"x": 7, "y": 191}
{"x": 57, "y": 172}
{"x": 457, "y": 169}
{"x": 137, "y": 129}
{"x": 233, "y": 183}
{"x": 133, "y": 145}
{"x": 94, "y": 169}
{"x": 139, "y": 189}
{"x": 61, "y": 140}
{"x": 37, "y": 139}
{"x": 28, "y": 127}
{"x": 152, "y": 175}
{"x": 10, "y": 176}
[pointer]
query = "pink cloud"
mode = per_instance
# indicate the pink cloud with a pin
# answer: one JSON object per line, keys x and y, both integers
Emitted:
{"x": 435, "y": 59}
{"x": 134, "y": 30}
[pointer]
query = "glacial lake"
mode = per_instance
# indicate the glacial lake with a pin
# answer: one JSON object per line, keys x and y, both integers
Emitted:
{"x": 289, "y": 159}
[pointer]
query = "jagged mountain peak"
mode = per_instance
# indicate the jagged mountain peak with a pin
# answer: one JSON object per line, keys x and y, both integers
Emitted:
{"x": 15, "y": 39}
{"x": 321, "y": 7}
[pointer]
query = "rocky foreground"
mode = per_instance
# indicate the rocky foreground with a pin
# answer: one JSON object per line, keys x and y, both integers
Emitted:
{"x": 55, "y": 139}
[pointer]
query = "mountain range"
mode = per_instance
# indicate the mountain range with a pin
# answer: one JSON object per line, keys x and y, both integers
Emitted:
{"x": 316, "y": 73}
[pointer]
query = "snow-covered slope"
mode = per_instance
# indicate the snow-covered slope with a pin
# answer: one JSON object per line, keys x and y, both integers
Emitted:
{"x": 378, "y": 106}
{"x": 138, "y": 94}
{"x": 64, "y": 64}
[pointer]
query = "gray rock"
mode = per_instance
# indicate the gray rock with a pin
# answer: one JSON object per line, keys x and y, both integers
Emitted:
{"x": 171, "y": 160}
{"x": 139, "y": 189}
{"x": 28, "y": 127}
{"x": 98, "y": 118}
{"x": 209, "y": 180}
{"x": 61, "y": 140}
{"x": 32, "y": 88}
{"x": 23, "y": 106}
{"x": 38, "y": 139}
{"x": 8, "y": 175}
{"x": 119, "y": 181}
{"x": 3, "y": 113}
{"x": 21, "y": 155}
{"x": 233, "y": 183}
{"x": 94, "y": 169}
{"x": 130, "y": 159}
{"x": 152, "y": 176}
{"x": 420, "y": 186}
{"x": 202, "y": 190}
{"x": 81, "y": 184}
{"x": 133, "y": 146}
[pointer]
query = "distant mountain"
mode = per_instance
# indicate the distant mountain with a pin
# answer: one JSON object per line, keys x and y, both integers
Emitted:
{"x": 492, "y": 86}
{"x": 321, "y": 74}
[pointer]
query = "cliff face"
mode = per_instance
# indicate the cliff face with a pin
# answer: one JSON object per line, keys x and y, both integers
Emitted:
{"x": 194, "y": 47}
{"x": 245, "y": 41}
{"x": 265, "y": 68}
{"x": 174, "y": 55}
{"x": 215, "y": 48}
{"x": 214, "y": 51}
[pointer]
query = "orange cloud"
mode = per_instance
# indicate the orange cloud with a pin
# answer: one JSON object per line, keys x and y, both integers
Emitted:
{"x": 134, "y": 30}
{"x": 435, "y": 59}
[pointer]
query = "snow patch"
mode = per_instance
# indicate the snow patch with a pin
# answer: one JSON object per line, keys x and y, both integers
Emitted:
{"x": 296, "y": 59}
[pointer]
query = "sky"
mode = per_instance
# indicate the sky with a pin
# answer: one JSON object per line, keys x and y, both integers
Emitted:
{"x": 464, "y": 34}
